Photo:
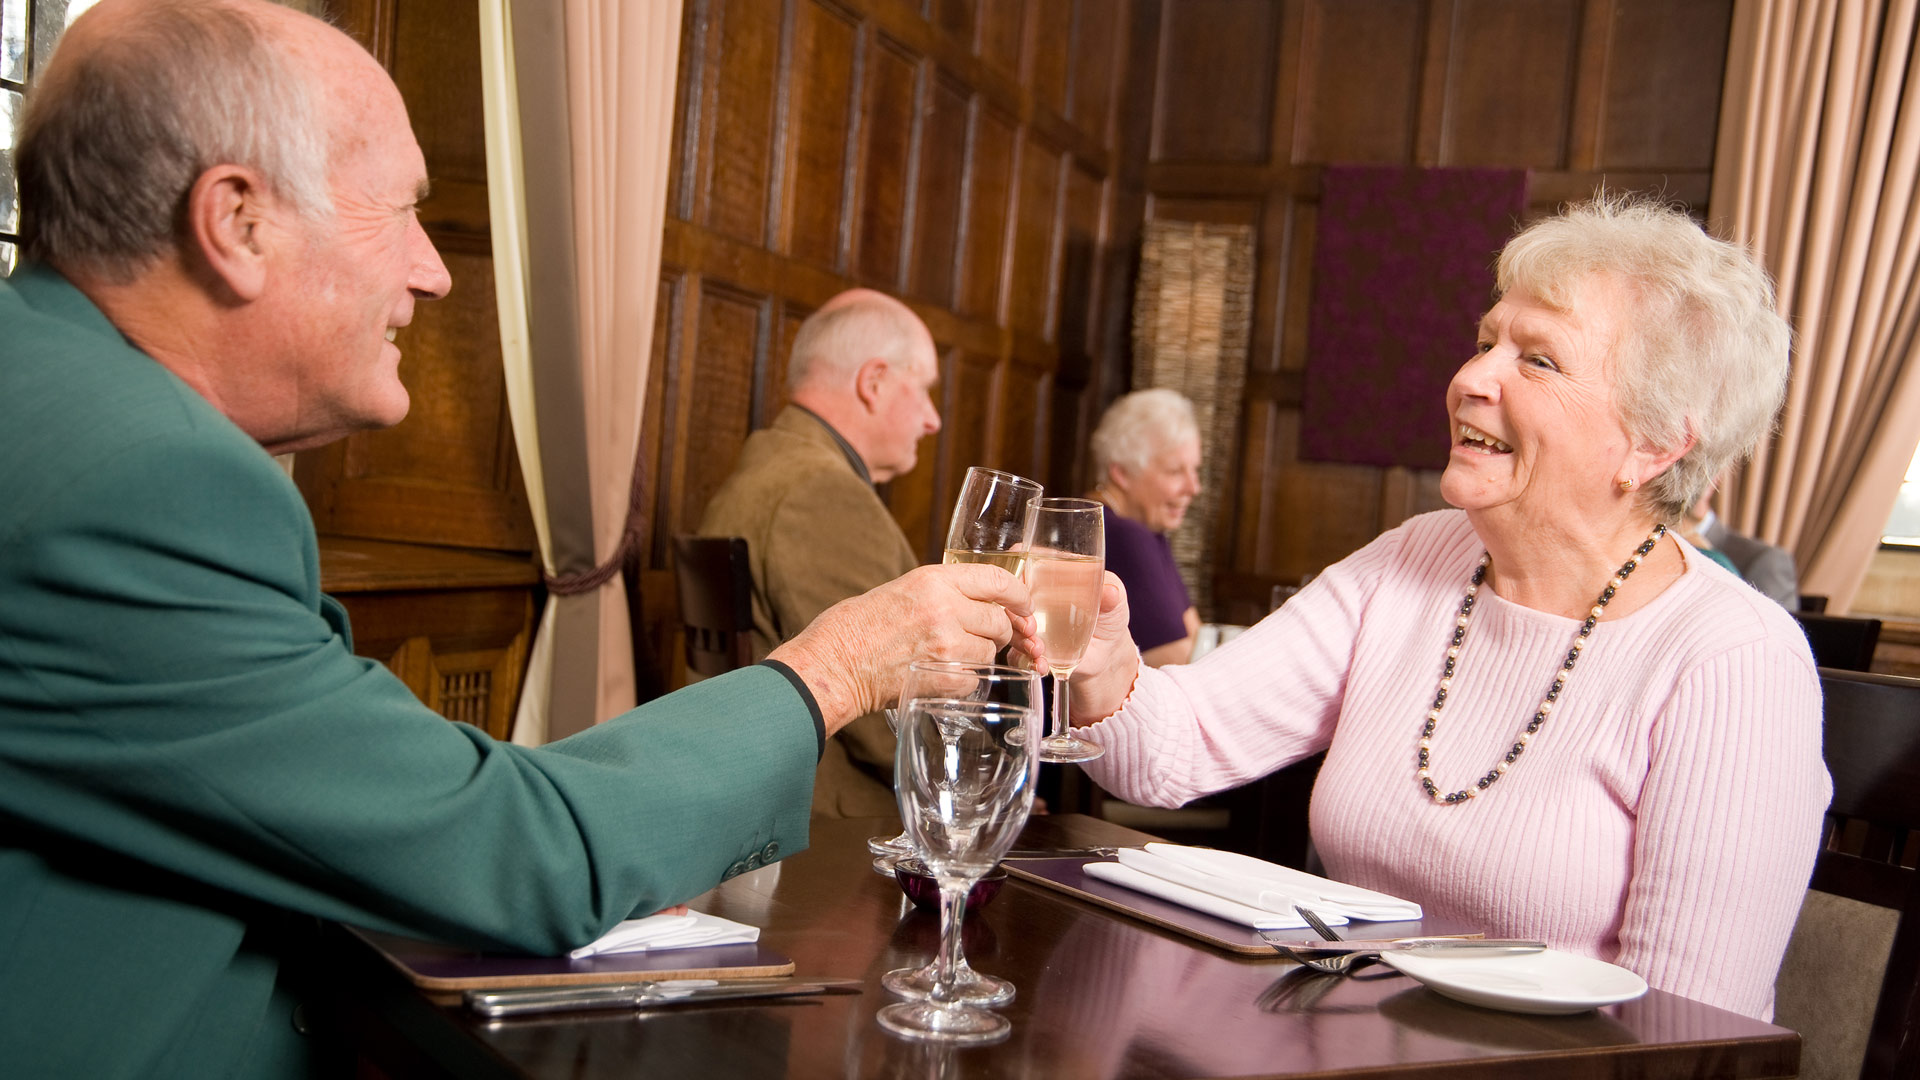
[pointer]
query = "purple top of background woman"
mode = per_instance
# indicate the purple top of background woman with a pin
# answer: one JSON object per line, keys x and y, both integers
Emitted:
{"x": 1156, "y": 596}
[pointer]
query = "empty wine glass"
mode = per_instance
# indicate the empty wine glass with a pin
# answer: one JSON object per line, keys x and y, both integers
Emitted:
{"x": 1065, "y": 569}
{"x": 964, "y": 774}
{"x": 988, "y": 525}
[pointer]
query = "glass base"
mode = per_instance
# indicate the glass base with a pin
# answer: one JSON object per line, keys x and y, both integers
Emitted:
{"x": 943, "y": 1023}
{"x": 892, "y": 846}
{"x": 969, "y": 986}
{"x": 1066, "y": 748}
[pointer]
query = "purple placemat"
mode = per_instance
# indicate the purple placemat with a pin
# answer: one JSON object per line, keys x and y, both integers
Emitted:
{"x": 1402, "y": 270}
{"x": 432, "y": 966}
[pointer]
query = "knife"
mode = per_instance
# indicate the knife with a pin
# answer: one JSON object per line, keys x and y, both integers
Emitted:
{"x": 1060, "y": 853}
{"x": 643, "y": 995}
{"x": 1356, "y": 945}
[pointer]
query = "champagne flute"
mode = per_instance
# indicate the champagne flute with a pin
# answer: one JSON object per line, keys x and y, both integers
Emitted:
{"x": 1066, "y": 567}
{"x": 964, "y": 774}
{"x": 988, "y": 526}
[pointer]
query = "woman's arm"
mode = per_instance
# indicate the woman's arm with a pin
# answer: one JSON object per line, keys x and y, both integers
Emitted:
{"x": 1175, "y": 652}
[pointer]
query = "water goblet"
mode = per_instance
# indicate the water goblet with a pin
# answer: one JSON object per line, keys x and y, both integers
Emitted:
{"x": 1065, "y": 570}
{"x": 964, "y": 773}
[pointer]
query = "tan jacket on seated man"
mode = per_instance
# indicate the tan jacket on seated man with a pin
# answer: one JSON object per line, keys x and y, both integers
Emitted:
{"x": 802, "y": 495}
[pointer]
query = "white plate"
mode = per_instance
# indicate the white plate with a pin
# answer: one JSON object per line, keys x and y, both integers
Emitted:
{"x": 1549, "y": 982}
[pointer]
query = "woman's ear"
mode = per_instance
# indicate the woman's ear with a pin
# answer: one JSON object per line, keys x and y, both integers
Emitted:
{"x": 227, "y": 226}
{"x": 1648, "y": 461}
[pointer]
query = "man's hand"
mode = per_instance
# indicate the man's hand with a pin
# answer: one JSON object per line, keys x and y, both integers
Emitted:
{"x": 1106, "y": 673}
{"x": 854, "y": 657}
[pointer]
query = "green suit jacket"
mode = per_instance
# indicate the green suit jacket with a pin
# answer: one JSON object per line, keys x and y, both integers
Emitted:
{"x": 816, "y": 534}
{"x": 193, "y": 763}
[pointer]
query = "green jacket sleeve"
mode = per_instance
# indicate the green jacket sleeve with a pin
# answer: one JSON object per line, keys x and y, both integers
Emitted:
{"x": 171, "y": 692}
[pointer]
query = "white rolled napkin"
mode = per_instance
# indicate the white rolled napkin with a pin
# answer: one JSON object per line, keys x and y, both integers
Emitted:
{"x": 668, "y": 932}
{"x": 1217, "y": 906}
{"x": 1271, "y": 887}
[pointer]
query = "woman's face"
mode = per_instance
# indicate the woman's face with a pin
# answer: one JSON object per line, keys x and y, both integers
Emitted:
{"x": 1535, "y": 430}
{"x": 1158, "y": 495}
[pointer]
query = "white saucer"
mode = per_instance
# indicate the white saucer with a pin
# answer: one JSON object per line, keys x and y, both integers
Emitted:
{"x": 1549, "y": 982}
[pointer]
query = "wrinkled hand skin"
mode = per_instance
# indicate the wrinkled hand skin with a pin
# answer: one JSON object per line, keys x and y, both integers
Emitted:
{"x": 1106, "y": 673}
{"x": 854, "y": 657}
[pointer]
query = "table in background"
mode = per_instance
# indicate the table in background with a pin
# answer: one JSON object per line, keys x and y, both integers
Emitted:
{"x": 1101, "y": 995}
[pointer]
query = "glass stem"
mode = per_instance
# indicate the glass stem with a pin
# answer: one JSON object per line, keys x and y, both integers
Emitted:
{"x": 1060, "y": 733}
{"x": 946, "y": 965}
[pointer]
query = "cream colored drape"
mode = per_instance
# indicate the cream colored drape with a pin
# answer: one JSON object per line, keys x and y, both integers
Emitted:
{"x": 1816, "y": 167}
{"x": 579, "y": 115}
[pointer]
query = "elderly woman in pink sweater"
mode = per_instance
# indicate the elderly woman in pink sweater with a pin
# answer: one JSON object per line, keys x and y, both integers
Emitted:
{"x": 1545, "y": 715}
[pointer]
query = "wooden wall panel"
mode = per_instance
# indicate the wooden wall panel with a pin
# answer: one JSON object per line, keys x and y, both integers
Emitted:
{"x": 730, "y": 328}
{"x": 819, "y": 111}
{"x": 1576, "y": 91}
{"x": 941, "y": 186}
{"x": 983, "y": 159}
{"x": 1217, "y": 60}
{"x": 1033, "y": 239}
{"x": 1508, "y": 87}
{"x": 1359, "y": 81}
{"x": 740, "y": 162}
{"x": 989, "y": 186}
{"x": 889, "y": 116}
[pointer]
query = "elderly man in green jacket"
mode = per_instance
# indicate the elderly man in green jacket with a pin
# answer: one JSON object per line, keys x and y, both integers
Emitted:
{"x": 220, "y": 238}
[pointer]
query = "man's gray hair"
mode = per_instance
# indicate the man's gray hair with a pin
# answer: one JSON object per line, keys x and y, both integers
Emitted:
{"x": 1141, "y": 426}
{"x": 833, "y": 342}
{"x": 114, "y": 137}
{"x": 1702, "y": 349}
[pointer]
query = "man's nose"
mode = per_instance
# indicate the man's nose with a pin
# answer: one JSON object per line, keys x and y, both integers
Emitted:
{"x": 429, "y": 280}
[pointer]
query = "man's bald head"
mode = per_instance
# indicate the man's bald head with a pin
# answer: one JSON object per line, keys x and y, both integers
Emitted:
{"x": 141, "y": 98}
{"x": 865, "y": 364}
{"x": 853, "y": 327}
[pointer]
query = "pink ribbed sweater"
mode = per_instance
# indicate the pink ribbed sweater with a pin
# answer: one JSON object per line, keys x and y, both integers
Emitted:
{"x": 1665, "y": 817}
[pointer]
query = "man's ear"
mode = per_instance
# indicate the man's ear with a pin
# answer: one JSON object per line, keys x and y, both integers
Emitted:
{"x": 868, "y": 381}
{"x": 227, "y": 226}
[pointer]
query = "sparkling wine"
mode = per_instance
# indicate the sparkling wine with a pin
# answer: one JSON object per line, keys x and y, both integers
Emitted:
{"x": 1066, "y": 601}
{"x": 1010, "y": 561}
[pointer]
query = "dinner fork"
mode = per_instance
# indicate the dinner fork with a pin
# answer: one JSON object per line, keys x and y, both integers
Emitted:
{"x": 1338, "y": 964}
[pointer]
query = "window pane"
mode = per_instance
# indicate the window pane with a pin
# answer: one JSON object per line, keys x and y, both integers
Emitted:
{"x": 10, "y": 103}
{"x": 13, "y": 40}
{"x": 50, "y": 19}
{"x": 7, "y": 258}
{"x": 1903, "y": 525}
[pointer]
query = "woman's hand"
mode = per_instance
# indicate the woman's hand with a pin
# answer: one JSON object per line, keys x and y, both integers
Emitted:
{"x": 1106, "y": 673}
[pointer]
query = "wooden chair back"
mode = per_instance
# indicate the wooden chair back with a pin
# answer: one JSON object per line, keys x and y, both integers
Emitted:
{"x": 1840, "y": 641}
{"x": 1864, "y": 899}
{"x": 715, "y": 584}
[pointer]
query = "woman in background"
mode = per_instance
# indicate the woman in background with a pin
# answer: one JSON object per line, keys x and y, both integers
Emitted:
{"x": 1146, "y": 453}
{"x": 1545, "y": 714}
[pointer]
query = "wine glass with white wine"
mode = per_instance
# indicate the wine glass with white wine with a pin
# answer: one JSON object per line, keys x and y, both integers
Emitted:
{"x": 1066, "y": 562}
{"x": 988, "y": 525}
{"x": 964, "y": 773}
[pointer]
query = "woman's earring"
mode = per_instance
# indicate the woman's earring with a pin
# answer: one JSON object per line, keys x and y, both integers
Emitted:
{"x": 1629, "y": 485}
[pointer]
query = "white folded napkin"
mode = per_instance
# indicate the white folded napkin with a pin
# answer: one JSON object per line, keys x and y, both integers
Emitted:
{"x": 668, "y": 932}
{"x": 1269, "y": 886}
{"x": 1216, "y": 906}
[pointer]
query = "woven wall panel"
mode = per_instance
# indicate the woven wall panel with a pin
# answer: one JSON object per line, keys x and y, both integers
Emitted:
{"x": 1192, "y": 316}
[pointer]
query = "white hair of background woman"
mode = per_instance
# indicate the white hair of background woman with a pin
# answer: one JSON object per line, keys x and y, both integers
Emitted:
{"x": 1703, "y": 351}
{"x": 110, "y": 147}
{"x": 1140, "y": 426}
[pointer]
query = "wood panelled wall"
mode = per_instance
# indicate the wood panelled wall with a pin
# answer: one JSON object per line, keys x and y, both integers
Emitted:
{"x": 981, "y": 159}
{"x": 1255, "y": 96}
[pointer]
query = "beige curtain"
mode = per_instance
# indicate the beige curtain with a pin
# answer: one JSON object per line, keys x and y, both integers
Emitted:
{"x": 579, "y": 127}
{"x": 1816, "y": 165}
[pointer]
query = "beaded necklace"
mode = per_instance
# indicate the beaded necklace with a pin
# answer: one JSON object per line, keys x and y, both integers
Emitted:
{"x": 1553, "y": 692}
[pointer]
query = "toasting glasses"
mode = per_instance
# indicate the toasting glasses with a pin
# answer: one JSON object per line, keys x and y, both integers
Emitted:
{"x": 1066, "y": 564}
{"x": 988, "y": 526}
{"x": 964, "y": 773}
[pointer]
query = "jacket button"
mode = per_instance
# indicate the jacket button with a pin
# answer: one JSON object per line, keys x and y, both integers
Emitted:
{"x": 734, "y": 871}
{"x": 770, "y": 852}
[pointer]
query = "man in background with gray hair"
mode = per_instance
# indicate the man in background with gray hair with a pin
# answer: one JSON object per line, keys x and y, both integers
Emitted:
{"x": 221, "y": 243}
{"x": 860, "y": 380}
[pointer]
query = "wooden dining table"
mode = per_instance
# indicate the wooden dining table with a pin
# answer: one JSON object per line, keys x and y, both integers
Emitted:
{"x": 1101, "y": 995}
